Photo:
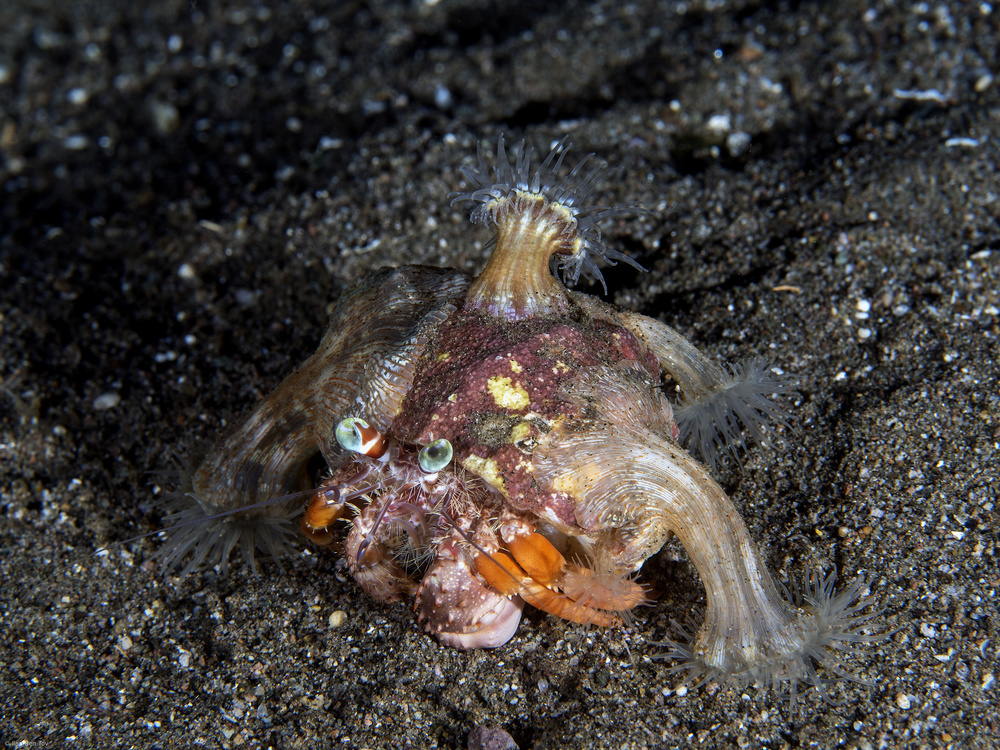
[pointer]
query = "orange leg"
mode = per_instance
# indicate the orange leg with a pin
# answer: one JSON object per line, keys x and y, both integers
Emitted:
{"x": 535, "y": 573}
{"x": 540, "y": 560}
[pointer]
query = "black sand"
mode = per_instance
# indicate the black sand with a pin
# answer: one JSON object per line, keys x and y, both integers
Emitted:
{"x": 185, "y": 190}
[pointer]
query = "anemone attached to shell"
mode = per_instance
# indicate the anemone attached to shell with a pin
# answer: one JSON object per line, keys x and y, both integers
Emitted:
{"x": 539, "y": 217}
{"x": 205, "y": 539}
{"x": 829, "y": 622}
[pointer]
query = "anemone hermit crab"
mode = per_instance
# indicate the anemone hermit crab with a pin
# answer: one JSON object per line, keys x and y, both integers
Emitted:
{"x": 498, "y": 440}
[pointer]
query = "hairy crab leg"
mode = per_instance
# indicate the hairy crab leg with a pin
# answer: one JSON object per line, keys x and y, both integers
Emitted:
{"x": 370, "y": 561}
{"x": 534, "y": 570}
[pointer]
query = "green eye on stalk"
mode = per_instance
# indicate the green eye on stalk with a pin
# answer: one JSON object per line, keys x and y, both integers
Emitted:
{"x": 348, "y": 434}
{"x": 355, "y": 434}
{"x": 435, "y": 456}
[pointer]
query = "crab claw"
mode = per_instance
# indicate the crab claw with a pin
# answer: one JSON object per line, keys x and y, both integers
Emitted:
{"x": 325, "y": 507}
{"x": 459, "y": 610}
{"x": 539, "y": 574}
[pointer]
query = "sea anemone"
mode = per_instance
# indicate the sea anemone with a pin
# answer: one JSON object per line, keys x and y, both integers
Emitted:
{"x": 828, "y": 624}
{"x": 720, "y": 408}
{"x": 505, "y": 191}
{"x": 207, "y": 538}
{"x": 731, "y": 408}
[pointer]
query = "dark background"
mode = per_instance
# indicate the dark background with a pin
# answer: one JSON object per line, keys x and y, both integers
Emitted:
{"x": 185, "y": 189}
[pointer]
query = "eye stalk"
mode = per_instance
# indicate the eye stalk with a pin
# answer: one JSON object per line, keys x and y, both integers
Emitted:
{"x": 436, "y": 456}
{"x": 355, "y": 434}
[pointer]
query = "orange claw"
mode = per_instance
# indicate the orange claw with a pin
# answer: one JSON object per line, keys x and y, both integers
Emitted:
{"x": 541, "y": 561}
{"x": 324, "y": 508}
{"x": 501, "y": 572}
{"x": 535, "y": 566}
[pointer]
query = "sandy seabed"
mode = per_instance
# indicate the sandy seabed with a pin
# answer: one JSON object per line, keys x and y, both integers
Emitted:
{"x": 186, "y": 189}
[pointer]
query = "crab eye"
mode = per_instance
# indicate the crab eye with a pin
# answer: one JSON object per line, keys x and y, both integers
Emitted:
{"x": 349, "y": 433}
{"x": 435, "y": 456}
{"x": 355, "y": 434}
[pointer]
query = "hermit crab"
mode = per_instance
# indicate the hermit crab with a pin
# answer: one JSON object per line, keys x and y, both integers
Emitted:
{"x": 502, "y": 440}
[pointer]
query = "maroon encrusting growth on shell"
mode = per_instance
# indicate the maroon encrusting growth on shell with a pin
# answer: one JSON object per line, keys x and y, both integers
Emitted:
{"x": 526, "y": 448}
{"x": 492, "y": 391}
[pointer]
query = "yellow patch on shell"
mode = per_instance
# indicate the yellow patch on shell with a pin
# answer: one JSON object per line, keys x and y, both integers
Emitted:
{"x": 515, "y": 366}
{"x": 506, "y": 394}
{"x": 520, "y": 431}
{"x": 487, "y": 469}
